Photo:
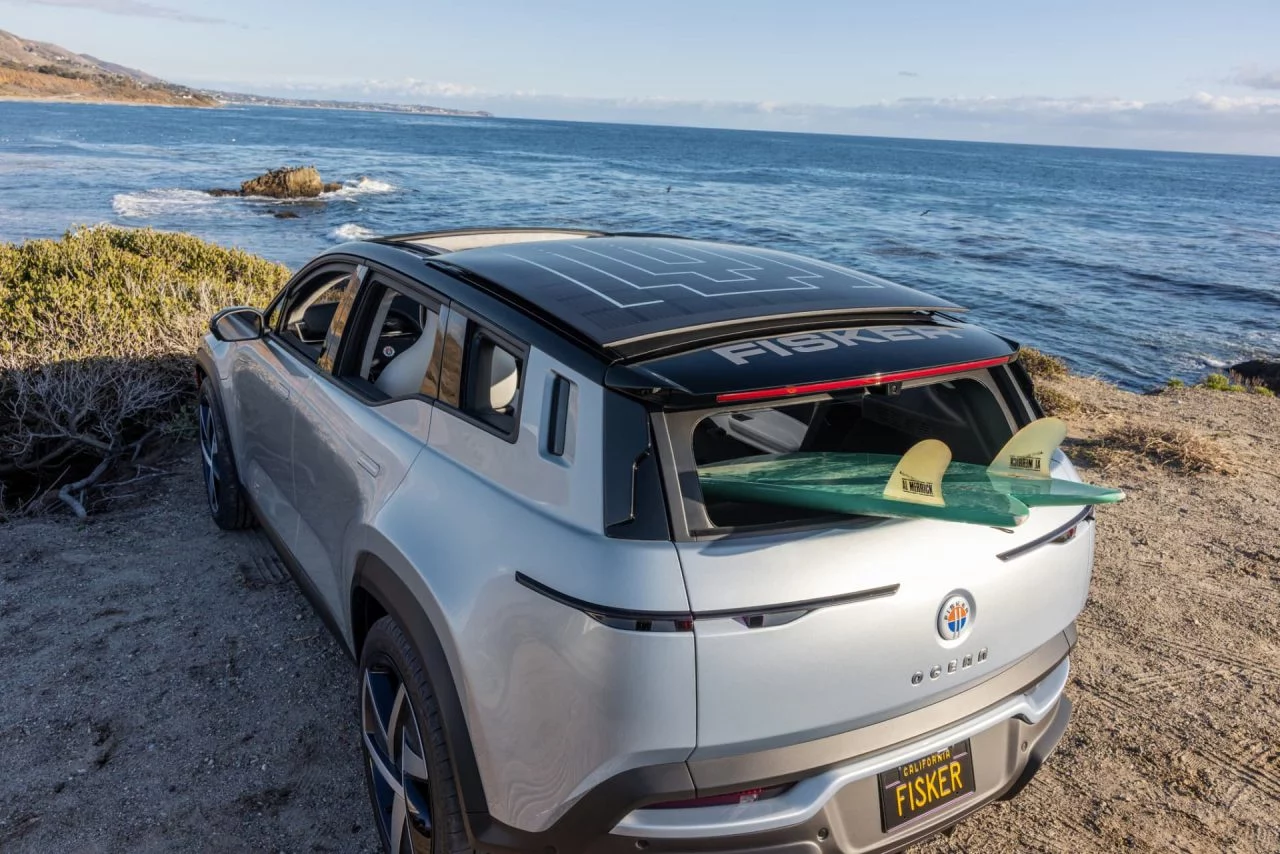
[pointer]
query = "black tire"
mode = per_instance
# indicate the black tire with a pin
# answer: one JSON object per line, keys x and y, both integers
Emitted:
{"x": 406, "y": 755}
{"x": 227, "y": 502}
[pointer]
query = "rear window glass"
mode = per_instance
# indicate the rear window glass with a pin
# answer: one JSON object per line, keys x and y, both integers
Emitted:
{"x": 963, "y": 413}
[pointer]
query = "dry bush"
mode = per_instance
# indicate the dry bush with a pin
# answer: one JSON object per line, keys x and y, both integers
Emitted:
{"x": 1173, "y": 447}
{"x": 97, "y": 332}
{"x": 1042, "y": 366}
{"x": 1055, "y": 402}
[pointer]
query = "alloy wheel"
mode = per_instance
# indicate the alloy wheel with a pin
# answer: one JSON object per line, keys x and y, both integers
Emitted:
{"x": 209, "y": 453}
{"x": 397, "y": 762}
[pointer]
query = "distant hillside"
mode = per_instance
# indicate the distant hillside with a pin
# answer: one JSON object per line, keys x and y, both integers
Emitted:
{"x": 49, "y": 72}
{"x": 30, "y": 69}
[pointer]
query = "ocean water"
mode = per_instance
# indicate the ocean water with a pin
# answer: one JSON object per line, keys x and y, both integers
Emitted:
{"x": 1136, "y": 266}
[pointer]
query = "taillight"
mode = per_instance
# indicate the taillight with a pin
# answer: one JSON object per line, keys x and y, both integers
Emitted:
{"x": 859, "y": 382}
{"x": 746, "y": 796}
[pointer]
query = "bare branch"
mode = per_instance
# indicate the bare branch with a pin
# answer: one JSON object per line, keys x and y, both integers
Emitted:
{"x": 78, "y": 486}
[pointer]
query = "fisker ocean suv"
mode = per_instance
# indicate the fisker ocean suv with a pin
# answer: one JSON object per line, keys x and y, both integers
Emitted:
{"x": 478, "y": 453}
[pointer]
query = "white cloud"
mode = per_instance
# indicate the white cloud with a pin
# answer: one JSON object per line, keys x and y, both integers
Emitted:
{"x": 130, "y": 8}
{"x": 1255, "y": 78}
{"x": 1199, "y": 122}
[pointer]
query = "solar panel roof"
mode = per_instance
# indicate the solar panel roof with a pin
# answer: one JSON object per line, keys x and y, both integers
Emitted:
{"x": 618, "y": 290}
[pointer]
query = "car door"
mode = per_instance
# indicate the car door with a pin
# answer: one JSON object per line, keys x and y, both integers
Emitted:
{"x": 360, "y": 422}
{"x": 268, "y": 378}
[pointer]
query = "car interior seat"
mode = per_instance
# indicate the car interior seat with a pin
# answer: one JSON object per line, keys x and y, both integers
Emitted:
{"x": 404, "y": 374}
{"x": 502, "y": 371}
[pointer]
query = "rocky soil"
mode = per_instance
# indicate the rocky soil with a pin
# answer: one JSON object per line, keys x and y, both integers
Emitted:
{"x": 166, "y": 688}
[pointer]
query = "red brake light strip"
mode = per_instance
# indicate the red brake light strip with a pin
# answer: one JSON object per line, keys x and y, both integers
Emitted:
{"x": 860, "y": 382}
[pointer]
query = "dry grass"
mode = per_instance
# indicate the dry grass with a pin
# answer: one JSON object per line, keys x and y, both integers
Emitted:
{"x": 1042, "y": 366}
{"x": 1056, "y": 402}
{"x": 1174, "y": 447}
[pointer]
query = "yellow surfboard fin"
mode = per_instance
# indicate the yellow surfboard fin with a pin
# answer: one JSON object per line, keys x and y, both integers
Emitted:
{"x": 1028, "y": 453}
{"x": 918, "y": 476}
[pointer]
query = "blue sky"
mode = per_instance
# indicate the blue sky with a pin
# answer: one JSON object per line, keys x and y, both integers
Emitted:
{"x": 1174, "y": 74}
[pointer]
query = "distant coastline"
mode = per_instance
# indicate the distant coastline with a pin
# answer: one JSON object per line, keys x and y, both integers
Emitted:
{"x": 240, "y": 99}
{"x": 244, "y": 101}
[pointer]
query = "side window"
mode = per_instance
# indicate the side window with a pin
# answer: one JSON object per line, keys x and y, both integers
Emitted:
{"x": 313, "y": 314}
{"x": 394, "y": 346}
{"x": 482, "y": 374}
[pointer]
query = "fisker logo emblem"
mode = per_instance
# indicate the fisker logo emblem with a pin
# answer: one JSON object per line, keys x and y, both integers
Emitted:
{"x": 955, "y": 617}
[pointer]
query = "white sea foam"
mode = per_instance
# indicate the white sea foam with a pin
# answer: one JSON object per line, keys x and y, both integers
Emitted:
{"x": 1211, "y": 361}
{"x": 362, "y": 187}
{"x": 351, "y": 231}
{"x": 152, "y": 203}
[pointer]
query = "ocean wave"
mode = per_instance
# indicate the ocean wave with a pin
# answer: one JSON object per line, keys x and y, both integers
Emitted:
{"x": 352, "y": 231}
{"x": 361, "y": 187}
{"x": 152, "y": 203}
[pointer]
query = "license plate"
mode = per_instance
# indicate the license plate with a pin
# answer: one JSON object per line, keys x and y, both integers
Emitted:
{"x": 918, "y": 787}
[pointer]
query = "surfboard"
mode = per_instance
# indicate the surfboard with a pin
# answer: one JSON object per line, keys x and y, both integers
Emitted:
{"x": 855, "y": 484}
{"x": 923, "y": 483}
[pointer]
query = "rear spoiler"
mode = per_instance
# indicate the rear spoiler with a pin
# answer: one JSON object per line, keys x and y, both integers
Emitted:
{"x": 877, "y": 353}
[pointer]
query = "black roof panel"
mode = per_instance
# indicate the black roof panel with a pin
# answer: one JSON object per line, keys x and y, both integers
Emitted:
{"x": 619, "y": 291}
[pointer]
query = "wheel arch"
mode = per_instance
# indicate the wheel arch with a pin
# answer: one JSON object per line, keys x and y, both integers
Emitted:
{"x": 378, "y": 591}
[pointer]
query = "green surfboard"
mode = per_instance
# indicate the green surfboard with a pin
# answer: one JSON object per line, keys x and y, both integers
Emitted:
{"x": 923, "y": 483}
{"x": 853, "y": 484}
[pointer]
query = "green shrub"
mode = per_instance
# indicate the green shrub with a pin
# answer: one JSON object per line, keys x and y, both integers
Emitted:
{"x": 1042, "y": 365}
{"x": 1175, "y": 383}
{"x": 97, "y": 333}
{"x": 1262, "y": 390}
{"x": 1218, "y": 382}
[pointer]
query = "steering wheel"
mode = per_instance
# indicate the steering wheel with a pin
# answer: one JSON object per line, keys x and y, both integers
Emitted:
{"x": 399, "y": 332}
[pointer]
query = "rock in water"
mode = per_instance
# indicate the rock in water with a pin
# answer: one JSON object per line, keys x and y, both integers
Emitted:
{"x": 296, "y": 182}
{"x": 1260, "y": 371}
{"x": 332, "y": 187}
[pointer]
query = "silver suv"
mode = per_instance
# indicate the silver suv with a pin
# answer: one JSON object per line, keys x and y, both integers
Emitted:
{"x": 478, "y": 453}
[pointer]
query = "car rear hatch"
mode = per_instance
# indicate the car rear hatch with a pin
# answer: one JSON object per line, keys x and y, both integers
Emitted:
{"x": 809, "y": 624}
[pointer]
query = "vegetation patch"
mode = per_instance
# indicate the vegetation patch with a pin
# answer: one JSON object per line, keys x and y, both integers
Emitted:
{"x": 1176, "y": 448}
{"x": 1042, "y": 366}
{"x": 97, "y": 336}
{"x": 1056, "y": 402}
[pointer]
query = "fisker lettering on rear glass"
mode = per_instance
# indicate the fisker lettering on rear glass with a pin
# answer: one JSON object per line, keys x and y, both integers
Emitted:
{"x": 830, "y": 339}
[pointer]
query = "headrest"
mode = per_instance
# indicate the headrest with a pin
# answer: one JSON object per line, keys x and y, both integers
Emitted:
{"x": 500, "y": 368}
{"x": 317, "y": 318}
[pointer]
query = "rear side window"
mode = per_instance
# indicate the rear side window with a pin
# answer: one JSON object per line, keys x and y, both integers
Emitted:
{"x": 963, "y": 413}
{"x": 482, "y": 374}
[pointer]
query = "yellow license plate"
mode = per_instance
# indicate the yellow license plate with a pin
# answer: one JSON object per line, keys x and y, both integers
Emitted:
{"x": 918, "y": 787}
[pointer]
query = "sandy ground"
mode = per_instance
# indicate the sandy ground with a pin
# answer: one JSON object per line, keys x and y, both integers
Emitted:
{"x": 165, "y": 688}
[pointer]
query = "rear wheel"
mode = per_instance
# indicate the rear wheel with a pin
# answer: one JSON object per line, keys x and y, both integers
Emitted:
{"x": 227, "y": 502}
{"x": 407, "y": 768}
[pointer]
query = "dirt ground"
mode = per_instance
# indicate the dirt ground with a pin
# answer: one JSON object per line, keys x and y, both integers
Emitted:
{"x": 166, "y": 688}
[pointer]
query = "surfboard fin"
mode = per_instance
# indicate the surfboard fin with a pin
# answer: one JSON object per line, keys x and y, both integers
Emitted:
{"x": 1028, "y": 453}
{"x": 917, "y": 479}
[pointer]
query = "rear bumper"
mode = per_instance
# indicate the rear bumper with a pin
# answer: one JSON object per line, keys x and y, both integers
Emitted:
{"x": 839, "y": 810}
{"x": 833, "y": 805}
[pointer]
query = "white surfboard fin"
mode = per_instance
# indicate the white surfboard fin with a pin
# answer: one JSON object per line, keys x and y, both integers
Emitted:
{"x": 1028, "y": 453}
{"x": 918, "y": 476}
